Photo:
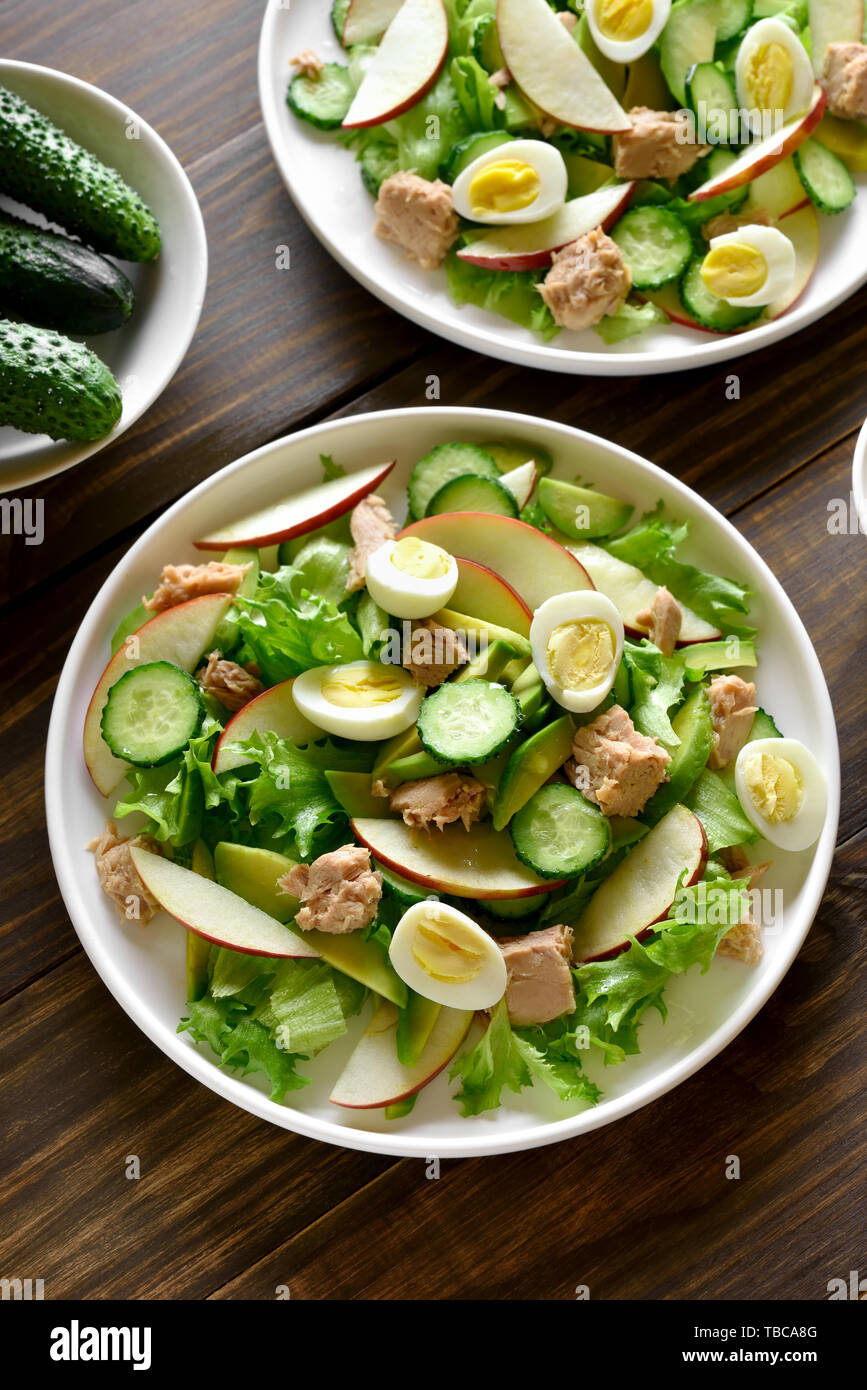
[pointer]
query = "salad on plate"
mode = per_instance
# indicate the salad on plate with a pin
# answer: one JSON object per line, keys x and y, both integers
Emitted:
{"x": 606, "y": 164}
{"x": 490, "y": 778}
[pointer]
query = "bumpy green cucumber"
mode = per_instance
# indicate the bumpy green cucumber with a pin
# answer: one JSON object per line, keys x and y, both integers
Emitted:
{"x": 51, "y": 385}
{"x": 50, "y": 280}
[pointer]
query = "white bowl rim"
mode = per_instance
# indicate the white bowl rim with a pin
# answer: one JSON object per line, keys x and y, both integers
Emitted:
{"x": 859, "y": 477}
{"x": 403, "y": 1144}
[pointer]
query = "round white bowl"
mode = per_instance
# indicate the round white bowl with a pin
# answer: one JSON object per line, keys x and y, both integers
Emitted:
{"x": 144, "y": 968}
{"x": 145, "y": 354}
{"x": 323, "y": 179}
{"x": 859, "y": 478}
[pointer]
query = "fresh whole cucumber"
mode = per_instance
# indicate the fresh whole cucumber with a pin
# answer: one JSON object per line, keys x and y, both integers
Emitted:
{"x": 49, "y": 280}
{"x": 52, "y": 385}
{"x": 44, "y": 168}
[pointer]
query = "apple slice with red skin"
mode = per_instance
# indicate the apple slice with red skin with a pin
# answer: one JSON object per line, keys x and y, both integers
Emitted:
{"x": 521, "y": 481}
{"x": 475, "y": 863}
{"x": 297, "y": 515}
{"x": 762, "y": 155}
{"x": 483, "y": 594}
{"x": 641, "y": 890}
{"x": 405, "y": 66}
{"x": 215, "y": 913}
{"x": 274, "y": 711}
{"x": 532, "y": 246}
{"x": 373, "y": 1077}
{"x": 631, "y": 591}
{"x": 553, "y": 71}
{"x": 832, "y": 21}
{"x": 367, "y": 19}
{"x": 531, "y": 562}
{"x": 180, "y": 635}
{"x": 778, "y": 190}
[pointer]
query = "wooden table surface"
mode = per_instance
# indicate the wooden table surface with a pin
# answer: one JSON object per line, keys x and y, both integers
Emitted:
{"x": 227, "y": 1206}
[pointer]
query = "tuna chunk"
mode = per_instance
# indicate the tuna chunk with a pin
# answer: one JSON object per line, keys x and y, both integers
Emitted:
{"x": 118, "y": 876}
{"x": 662, "y": 620}
{"x": 744, "y": 942}
{"x": 433, "y": 652}
{"x": 233, "y": 685}
{"x": 439, "y": 801}
{"x": 587, "y": 280}
{"x": 181, "y": 582}
{"x": 339, "y": 890}
{"x": 844, "y": 77}
{"x": 660, "y": 145}
{"x": 735, "y": 860}
{"x": 732, "y": 709}
{"x": 308, "y": 63}
{"x": 614, "y": 765}
{"x": 370, "y": 526}
{"x": 540, "y": 985}
{"x": 726, "y": 222}
{"x": 417, "y": 216}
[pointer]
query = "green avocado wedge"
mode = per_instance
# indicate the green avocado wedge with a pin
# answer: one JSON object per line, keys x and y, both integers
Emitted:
{"x": 581, "y": 512}
{"x": 414, "y": 1027}
{"x": 198, "y": 947}
{"x": 529, "y": 768}
{"x": 694, "y": 728}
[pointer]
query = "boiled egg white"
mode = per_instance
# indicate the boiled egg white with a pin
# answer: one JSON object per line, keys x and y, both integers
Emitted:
{"x": 445, "y": 956}
{"x": 782, "y": 791}
{"x": 773, "y": 76}
{"x": 753, "y": 265}
{"x": 411, "y": 578}
{"x": 577, "y": 642}
{"x": 360, "y": 699}
{"x": 521, "y": 181}
{"x": 624, "y": 29}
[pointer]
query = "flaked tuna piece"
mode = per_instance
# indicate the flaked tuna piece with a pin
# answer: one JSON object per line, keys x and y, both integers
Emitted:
{"x": 433, "y": 652}
{"x": 734, "y": 858}
{"x": 726, "y": 222}
{"x": 118, "y": 876}
{"x": 339, "y": 890}
{"x": 662, "y": 620}
{"x": 439, "y": 801}
{"x": 744, "y": 942}
{"x": 370, "y": 525}
{"x": 844, "y": 78}
{"x": 540, "y": 985}
{"x": 417, "y": 216}
{"x": 308, "y": 63}
{"x": 587, "y": 280}
{"x": 567, "y": 19}
{"x": 732, "y": 710}
{"x": 181, "y": 582}
{"x": 233, "y": 685}
{"x": 614, "y": 765}
{"x": 659, "y": 145}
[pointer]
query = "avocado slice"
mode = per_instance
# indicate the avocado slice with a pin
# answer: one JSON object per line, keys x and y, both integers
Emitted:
{"x": 414, "y": 1027}
{"x": 694, "y": 728}
{"x": 198, "y": 947}
{"x": 529, "y": 768}
{"x": 582, "y": 512}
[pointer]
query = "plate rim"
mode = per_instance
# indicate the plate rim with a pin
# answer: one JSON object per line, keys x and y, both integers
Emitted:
{"x": 859, "y": 477}
{"x": 22, "y": 475}
{"x": 404, "y": 1144}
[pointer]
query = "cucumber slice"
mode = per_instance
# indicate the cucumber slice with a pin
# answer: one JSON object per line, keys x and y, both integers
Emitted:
{"x": 471, "y": 147}
{"x": 559, "y": 833}
{"x": 472, "y": 494}
{"x": 655, "y": 245}
{"x": 710, "y": 95}
{"x": 507, "y": 455}
{"x": 763, "y": 726}
{"x": 377, "y": 162}
{"x": 338, "y": 17}
{"x": 444, "y": 462}
{"x": 323, "y": 100}
{"x": 508, "y": 909}
{"x": 732, "y": 17}
{"x": 689, "y": 37}
{"x": 706, "y": 308}
{"x": 581, "y": 512}
{"x": 468, "y": 722}
{"x": 827, "y": 182}
{"x": 151, "y": 713}
{"x": 403, "y": 889}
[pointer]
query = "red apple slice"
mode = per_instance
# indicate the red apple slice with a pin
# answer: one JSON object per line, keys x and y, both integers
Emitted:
{"x": 833, "y": 21}
{"x": 802, "y": 228}
{"x": 631, "y": 591}
{"x": 553, "y": 71}
{"x": 215, "y": 913}
{"x": 405, "y": 66}
{"x": 520, "y": 481}
{"x": 532, "y": 246}
{"x": 367, "y": 19}
{"x": 294, "y": 517}
{"x": 535, "y": 565}
{"x": 475, "y": 863}
{"x": 273, "y": 711}
{"x": 762, "y": 155}
{"x": 483, "y": 594}
{"x": 180, "y": 635}
{"x": 373, "y": 1077}
{"x": 642, "y": 888}
{"x": 779, "y": 191}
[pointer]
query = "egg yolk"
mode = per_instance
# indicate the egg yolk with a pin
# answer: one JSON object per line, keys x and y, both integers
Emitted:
{"x": 768, "y": 77}
{"x": 361, "y": 688}
{"x": 420, "y": 559}
{"x": 624, "y": 19}
{"x": 775, "y": 786}
{"x": 734, "y": 269}
{"x": 445, "y": 949}
{"x": 580, "y": 653}
{"x": 506, "y": 186}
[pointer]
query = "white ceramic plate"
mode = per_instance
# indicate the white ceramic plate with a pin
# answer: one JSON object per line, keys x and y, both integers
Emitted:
{"x": 324, "y": 181}
{"x": 145, "y": 354}
{"x": 144, "y": 968}
{"x": 859, "y": 478}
